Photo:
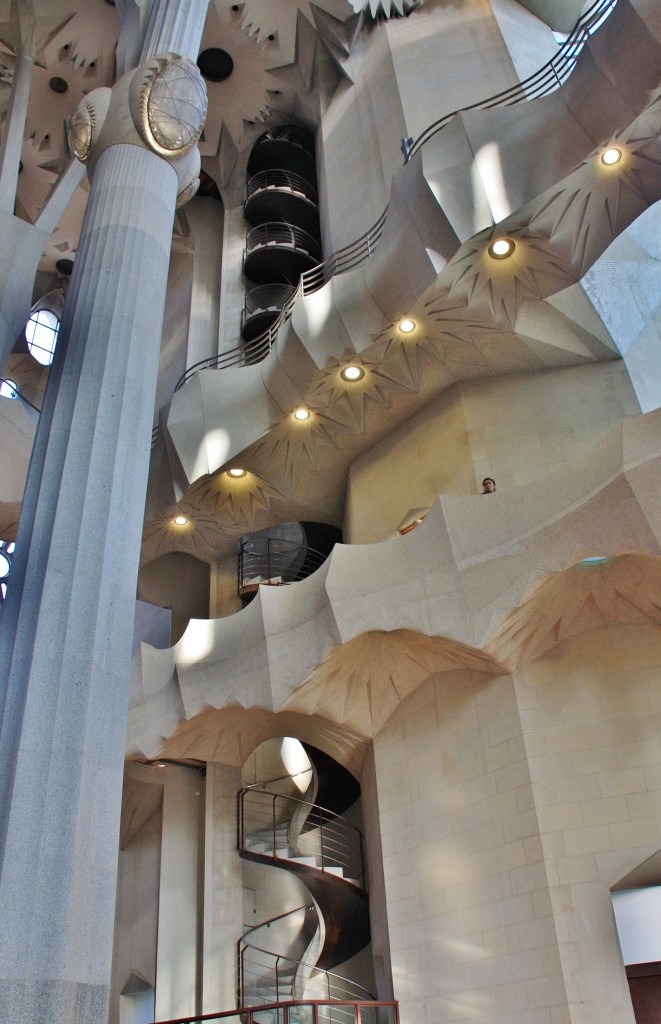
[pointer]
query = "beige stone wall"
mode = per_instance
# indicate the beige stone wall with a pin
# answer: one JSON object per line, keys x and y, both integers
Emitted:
{"x": 591, "y": 715}
{"x": 517, "y": 429}
{"x": 510, "y": 807}
{"x": 471, "y": 932}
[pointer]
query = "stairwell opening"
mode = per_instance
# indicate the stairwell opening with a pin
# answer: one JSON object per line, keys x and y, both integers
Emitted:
{"x": 306, "y": 910}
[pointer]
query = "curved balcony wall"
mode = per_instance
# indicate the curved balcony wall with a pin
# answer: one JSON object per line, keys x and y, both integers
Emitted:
{"x": 278, "y": 253}
{"x": 282, "y": 195}
{"x": 281, "y": 205}
{"x": 282, "y": 555}
{"x": 284, "y": 146}
{"x": 263, "y": 307}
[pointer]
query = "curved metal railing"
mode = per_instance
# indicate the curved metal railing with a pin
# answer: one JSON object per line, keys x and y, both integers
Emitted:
{"x": 277, "y": 974}
{"x": 277, "y": 179}
{"x": 325, "y": 841}
{"x": 301, "y": 1011}
{"x": 286, "y": 133}
{"x": 275, "y": 232}
{"x": 545, "y": 81}
{"x": 270, "y": 561}
{"x": 266, "y": 298}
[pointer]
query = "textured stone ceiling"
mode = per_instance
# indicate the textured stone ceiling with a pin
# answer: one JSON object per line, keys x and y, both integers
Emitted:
{"x": 477, "y": 318}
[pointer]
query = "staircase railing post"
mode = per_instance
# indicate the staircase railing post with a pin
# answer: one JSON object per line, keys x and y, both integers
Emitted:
{"x": 275, "y": 855}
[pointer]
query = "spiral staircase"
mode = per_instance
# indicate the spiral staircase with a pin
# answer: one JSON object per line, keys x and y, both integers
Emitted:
{"x": 310, "y": 836}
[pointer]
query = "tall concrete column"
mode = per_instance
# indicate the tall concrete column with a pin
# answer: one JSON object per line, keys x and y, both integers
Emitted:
{"x": 177, "y": 982}
{"x": 66, "y": 627}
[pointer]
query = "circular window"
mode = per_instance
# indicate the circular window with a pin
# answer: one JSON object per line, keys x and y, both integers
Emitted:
{"x": 41, "y": 333}
{"x": 8, "y": 389}
{"x": 6, "y": 551}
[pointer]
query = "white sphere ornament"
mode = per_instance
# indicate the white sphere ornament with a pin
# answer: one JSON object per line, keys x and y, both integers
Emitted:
{"x": 168, "y": 102}
{"x": 85, "y": 123}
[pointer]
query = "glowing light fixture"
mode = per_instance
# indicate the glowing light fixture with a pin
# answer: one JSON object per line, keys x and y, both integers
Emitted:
{"x": 352, "y": 373}
{"x": 301, "y": 415}
{"x": 180, "y": 521}
{"x": 406, "y": 326}
{"x": 236, "y": 473}
{"x": 501, "y": 248}
{"x": 611, "y": 156}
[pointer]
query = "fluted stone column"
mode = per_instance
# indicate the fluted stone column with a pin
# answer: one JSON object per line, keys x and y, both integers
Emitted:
{"x": 175, "y": 26}
{"x": 66, "y": 628}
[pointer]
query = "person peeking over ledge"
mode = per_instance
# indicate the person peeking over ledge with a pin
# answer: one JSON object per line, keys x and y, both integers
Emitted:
{"x": 488, "y": 485}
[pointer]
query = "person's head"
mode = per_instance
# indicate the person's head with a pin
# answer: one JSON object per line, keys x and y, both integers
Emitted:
{"x": 488, "y": 485}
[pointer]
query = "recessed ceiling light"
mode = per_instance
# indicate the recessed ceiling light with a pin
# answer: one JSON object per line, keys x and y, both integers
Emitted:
{"x": 501, "y": 248}
{"x": 180, "y": 521}
{"x": 235, "y": 472}
{"x": 352, "y": 373}
{"x": 301, "y": 414}
{"x": 406, "y": 326}
{"x": 611, "y": 156}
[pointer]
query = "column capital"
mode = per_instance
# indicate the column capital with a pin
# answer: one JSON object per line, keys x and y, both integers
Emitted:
{"x": 160, "y": 106}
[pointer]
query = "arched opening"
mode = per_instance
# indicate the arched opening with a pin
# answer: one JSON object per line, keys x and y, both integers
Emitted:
{"x": 305, "y": 899}
{"x": 637, "y": 908}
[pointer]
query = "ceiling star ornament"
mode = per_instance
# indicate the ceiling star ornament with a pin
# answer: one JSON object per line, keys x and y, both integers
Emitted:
{"x": 386, "y": 8}
{"x": 584, "y": 596}
{"x": 237, "y": 505}
{"x": 199, "y": 537}
{"x": 273, "y": 22}
{"x": 498, "y": 287}
{"x": 292, "y": 447}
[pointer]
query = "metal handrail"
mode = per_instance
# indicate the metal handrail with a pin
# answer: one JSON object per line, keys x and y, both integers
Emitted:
{"x": 246, "y": 1014}
{"x": 17, "y": 394}
{"x": 542, "y": 82}
{"x": 277, "y": 178}
{"x": 287, "y": 133}
{"x": 276, "y": 232}
{"x": 333, "y": 980}
{"x": 338, "y": 843}
{"x": 279, "y": 778}
{"x": 267, "y": 296}
{"x": 272, "y": 561}
{"x": 550, "y": 76}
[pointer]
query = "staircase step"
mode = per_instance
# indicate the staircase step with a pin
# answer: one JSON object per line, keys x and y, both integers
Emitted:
{"x": 338, "y": 872}
{"x": 259, "y": 847}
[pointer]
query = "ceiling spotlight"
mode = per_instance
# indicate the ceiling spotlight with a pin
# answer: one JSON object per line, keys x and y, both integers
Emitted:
{"x": 236, "y": 473}
{"x": 611, "y": 156}
{"x": 180, "y": 521}
{"x": 301, "y": 414}
{"x": 406, "y": 326}
{"x": 352, "y": 373}
{"x": 501, "y": 248}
